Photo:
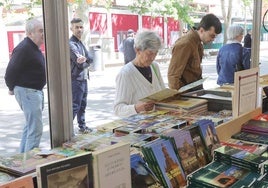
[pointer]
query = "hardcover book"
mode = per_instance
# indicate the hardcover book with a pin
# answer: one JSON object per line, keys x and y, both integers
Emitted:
{"x": 209, "y": 134}
{"x": 141, "y": 174}
{"x": 75, "y": 171}
{"x": 162, "y": 157}
{"x": 22, "y": 182}
{"x": 185, "y": 148}
{"x": 255, "y": 126}
{"x": 240, "y": 157}
{"x": 111, "y": 166}
{"x": 251, "y": 137}
{"x": 218, "y": 174}
{"x": 202, "y": 152}
{"x": 244, "y": 145}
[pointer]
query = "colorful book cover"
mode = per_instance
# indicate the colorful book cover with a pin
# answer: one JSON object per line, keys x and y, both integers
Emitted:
{"x": 263, "y": 139}
{"x": 141, "y": 174}
{"x": 261, "y": 127}
{"x": 217, "y": 174}
{"x": 209, "y": 134}
{"x": 240, "y": 158}
{"x": 202, "y": 152}
{"x": 75, "y": 171}
{"x": 25, "y": 163}
{"x": 169, "y": 164}
{"x": 248, "y": 146}
{"x": 185, "y": 148}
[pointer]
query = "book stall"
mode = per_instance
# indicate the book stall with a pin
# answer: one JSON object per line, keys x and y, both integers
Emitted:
{"x": 190, "y": 140}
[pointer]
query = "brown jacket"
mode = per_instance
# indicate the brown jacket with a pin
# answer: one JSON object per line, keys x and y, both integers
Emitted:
{"x": 185, "y": 63}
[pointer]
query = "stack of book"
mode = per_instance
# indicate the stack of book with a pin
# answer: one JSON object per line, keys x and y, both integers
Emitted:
{"x": 254, "y": 130}
{"x": 186, "y": 105}
{"x": 221, "y": 175}
{"x": 251, "y": 147}
{"x": 241, "y": 158}
{"x": 233, "y": 168}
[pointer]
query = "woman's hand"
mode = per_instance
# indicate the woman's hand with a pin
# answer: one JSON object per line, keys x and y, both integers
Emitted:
{"x": 144, "y": 106}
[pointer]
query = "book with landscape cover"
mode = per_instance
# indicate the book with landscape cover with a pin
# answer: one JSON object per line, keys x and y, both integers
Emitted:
{"x": 25, "y": 163}
{"x": 74, "y": 171}
{"x": 209, "y": 134}
{"x": 202, "y": 152}
{"x": 162, "y": 157}
{"x": 21, "y": 182}
{"x": 185, "y": 147}
{"x": 251, "y": 137}
{"x": 238, "y": 157}
{"x": 111, "y": 166}
{"x": 245, "y": 145}
{"x": 217, "y": 174}
{"x": 141, "y": 174}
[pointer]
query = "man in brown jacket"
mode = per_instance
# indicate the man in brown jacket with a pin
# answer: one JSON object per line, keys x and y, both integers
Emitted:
{"x": 187, "y": 53}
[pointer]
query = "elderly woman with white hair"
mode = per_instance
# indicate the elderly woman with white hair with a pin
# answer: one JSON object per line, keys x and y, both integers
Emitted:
{"x": 139, "y": 78}
{"x": 232, "y": 56}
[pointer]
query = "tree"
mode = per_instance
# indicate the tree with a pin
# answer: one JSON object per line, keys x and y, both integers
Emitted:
{"x": 177, "y": 9}
{"x": 227, "y": 17}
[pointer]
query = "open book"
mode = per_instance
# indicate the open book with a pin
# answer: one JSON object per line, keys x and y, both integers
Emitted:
{"x": 167, "y": 93}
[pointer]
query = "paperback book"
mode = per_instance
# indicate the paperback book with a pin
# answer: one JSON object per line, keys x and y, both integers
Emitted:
{"x": 185, "y": 148}
{"x": 75, "y": 171}
{"x": 111, "y": 166}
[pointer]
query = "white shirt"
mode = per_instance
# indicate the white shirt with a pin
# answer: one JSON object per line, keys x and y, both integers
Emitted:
{"x": 131, "y": 86}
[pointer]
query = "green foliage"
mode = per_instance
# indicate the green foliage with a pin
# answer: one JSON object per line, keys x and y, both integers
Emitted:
{"x": 177, "y": 9}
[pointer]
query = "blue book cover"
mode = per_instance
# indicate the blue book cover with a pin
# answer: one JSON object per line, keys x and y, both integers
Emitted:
{"x": 168, "y": 163}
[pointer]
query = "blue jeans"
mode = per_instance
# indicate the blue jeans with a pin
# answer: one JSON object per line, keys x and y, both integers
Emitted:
{"x": 31, "y": 102}
{"x": 79, "y": 91}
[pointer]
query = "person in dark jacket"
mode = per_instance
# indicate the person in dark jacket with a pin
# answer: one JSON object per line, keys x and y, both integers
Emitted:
{"x": 80, "y": 61}
{"x": 232, "y": 56}
{"x": 127, "y": 47}
{"x": 25, "y": 78}
{"x": 247, "y": 39}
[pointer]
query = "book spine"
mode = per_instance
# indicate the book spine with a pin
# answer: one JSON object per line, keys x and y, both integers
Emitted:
{"x": 152, "y": 162}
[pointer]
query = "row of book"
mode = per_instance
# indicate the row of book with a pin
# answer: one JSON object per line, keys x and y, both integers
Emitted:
{"x": 191, "y": 146}
{"x": 109, "y": 167}
{"x": 180, "y": 149}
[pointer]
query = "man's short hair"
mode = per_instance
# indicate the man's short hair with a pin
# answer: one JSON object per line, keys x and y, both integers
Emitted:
{"x": 76, "y": 20}
{"x": 210, "y": 20}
